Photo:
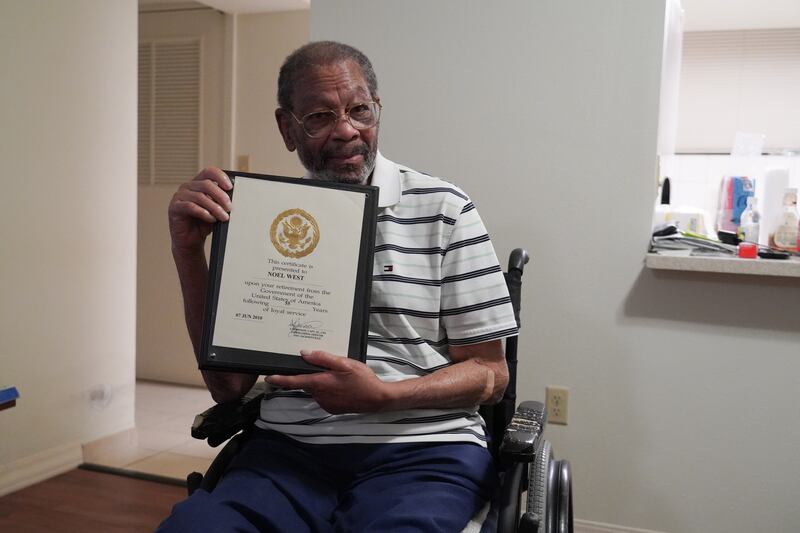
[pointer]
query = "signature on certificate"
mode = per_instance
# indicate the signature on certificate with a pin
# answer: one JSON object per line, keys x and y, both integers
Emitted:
{"x": 308, "y": 329}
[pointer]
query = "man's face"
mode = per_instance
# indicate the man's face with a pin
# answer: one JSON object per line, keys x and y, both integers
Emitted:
{"x": 345, "y": 154}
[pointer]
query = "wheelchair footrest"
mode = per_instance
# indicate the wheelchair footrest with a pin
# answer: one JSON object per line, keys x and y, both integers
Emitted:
{"x": 193, "y": 482}
{"x": 529, "y": 523}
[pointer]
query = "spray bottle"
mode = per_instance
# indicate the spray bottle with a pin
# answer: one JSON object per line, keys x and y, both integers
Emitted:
{"x": 749, "y": 224}
{"x": 785, "y": 237}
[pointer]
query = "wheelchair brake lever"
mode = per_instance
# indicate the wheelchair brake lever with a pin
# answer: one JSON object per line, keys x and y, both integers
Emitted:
{"x": 522, "y": 434}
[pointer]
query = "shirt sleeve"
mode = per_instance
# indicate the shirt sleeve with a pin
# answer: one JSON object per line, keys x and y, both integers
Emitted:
{"x": 475, "y": 305}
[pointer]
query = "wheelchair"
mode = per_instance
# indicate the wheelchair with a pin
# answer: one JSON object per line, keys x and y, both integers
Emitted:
{"x": 523, "y": 457}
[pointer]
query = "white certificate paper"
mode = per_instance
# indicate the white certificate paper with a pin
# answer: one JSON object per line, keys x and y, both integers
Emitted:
{"x": 288, "y": 280}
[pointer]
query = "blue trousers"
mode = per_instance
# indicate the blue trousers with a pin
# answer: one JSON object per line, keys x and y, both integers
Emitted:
{"x": 279, "y": 484}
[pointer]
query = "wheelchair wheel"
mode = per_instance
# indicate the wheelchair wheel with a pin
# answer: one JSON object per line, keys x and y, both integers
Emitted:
{"x": 564, "y": 497}
{"x": 549, "y": 494}
{"x": 540, "y": 516}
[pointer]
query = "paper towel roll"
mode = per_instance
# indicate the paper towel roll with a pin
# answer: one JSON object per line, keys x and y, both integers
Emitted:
{"x": 771, "y": 204}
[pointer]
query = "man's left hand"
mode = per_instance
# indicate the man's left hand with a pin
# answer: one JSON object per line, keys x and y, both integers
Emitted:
{"x": 346, "y": 386}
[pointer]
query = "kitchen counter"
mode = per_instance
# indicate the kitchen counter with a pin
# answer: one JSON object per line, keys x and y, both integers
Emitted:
{"x": 681, "y": 260}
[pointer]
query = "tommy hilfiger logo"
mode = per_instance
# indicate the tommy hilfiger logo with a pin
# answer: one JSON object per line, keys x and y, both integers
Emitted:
{"x": 388, "y": 268}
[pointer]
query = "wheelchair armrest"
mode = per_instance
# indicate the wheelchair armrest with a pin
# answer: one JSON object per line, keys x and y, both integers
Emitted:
{"x": 522, "y": 434}
{"x": 223, "y": 420}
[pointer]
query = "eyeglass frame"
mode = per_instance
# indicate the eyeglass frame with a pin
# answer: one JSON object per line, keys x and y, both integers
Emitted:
{"x": 346, "y": 113}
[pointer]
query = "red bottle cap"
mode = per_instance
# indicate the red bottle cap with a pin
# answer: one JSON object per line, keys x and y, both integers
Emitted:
{"x": 748, "y": 250}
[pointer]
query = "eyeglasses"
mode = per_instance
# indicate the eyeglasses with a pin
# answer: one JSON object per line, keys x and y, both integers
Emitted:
{"x": 320, "y": 123}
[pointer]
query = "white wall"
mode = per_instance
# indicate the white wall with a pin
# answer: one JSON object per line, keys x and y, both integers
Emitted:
{"x": 68, "y": 225}
{"x": 263, "y": 42}
{"x": 682, "y": 385}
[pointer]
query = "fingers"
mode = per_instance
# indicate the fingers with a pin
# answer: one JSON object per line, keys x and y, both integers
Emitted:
{"x": 204, "y": 197}
{"x": 211, "y": 187}
{"x": 188, "y": 209}
{"x": 215, "y": 175}
{"x": 209, "y": 201}
{"x": 308, "y": 382}
{"x": 326, "y": 360}
{"x": 305, "y": 382}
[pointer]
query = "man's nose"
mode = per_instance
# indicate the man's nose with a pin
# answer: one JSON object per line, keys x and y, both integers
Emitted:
{"x": 343, "y": 129}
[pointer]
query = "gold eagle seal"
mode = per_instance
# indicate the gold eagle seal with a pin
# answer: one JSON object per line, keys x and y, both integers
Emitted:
{"x": 294, "y": 233}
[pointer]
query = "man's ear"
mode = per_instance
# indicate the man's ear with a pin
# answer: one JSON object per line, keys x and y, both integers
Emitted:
{"x": 285, "y": 120}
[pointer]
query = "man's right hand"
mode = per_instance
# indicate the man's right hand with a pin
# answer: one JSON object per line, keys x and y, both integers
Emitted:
{"x": 196, "y": 206}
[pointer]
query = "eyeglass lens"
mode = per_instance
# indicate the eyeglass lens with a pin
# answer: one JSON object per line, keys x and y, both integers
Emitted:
{"x": 360, "y": 116}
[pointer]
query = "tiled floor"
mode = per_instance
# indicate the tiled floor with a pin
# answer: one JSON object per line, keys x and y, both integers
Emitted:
{"x": 161, "y": 442}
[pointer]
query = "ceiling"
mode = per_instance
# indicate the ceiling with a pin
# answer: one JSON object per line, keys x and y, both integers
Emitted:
{"x": 230, "y": 6}
{"x": 700, "y": 15}
{"x": 257, "y": 6}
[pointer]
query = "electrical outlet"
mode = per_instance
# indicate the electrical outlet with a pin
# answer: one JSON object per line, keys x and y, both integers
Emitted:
{"x": 557, "y": 400}
{"x": 243, "y": 163}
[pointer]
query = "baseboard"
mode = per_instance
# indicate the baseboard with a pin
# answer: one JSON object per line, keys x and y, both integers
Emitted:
{"x": 144, "y": 476}
{"x": 38, "y": 467}
{"x": 586, "y": 526}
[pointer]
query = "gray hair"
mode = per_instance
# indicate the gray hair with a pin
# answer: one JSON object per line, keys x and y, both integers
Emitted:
{"x": 318, "y": 54}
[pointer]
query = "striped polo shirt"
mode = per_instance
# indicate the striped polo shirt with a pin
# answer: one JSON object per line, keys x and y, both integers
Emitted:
{"x": 436, "y": 283}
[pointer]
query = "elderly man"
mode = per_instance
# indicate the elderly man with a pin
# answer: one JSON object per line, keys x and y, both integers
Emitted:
{"x": 395, "y": 444}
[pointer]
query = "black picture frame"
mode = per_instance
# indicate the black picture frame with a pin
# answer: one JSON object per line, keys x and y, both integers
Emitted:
{"x": 266, "y": 362}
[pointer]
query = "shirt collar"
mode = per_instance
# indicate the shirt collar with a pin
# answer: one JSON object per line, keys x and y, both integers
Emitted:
{"x": 385, "y": 176}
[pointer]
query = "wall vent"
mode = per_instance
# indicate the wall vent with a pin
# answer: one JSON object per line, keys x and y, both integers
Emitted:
{"x": 169, "y": 111}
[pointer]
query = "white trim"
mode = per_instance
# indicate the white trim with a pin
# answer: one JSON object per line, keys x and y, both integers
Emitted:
{"x": 200, "y": 103}
{"x": 587, "y": 526}
{"x": 230, "y": 69}
{"x": 38, "y": 467}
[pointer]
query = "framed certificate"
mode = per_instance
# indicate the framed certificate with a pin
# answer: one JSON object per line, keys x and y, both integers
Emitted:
{"x": 291, "y": 269}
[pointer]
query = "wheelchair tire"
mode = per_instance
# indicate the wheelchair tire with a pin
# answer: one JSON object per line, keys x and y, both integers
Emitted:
{"x": 542, "y": 488}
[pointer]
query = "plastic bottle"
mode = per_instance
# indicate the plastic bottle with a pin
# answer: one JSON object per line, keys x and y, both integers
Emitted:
{"x": 786, "y": 235}
{"x": 734, "y": 191}
{"x": 749, "y": 224}
{"x": 725, "y": 213}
